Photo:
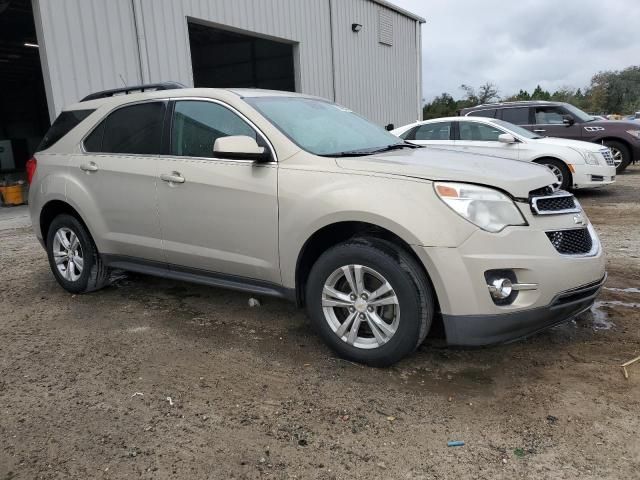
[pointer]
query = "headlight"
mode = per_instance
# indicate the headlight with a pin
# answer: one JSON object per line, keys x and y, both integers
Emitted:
{"x": 634, "y": 133}
{"x": 591, "y": 158}
{"x": 486, "y": 208}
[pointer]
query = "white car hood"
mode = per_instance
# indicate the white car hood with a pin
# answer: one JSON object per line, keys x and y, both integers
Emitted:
{"x": 517, "y": 178}
{"x": 564, "y": 142}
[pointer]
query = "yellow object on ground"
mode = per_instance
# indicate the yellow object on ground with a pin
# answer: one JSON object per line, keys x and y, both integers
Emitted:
{"x": 13, "y": 195}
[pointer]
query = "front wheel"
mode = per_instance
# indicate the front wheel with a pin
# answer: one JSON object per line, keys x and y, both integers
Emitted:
{"x": 370, "y": 301}
{"x": 560, "y": 170}
{"x": 73, "y": 257}
{"x": 621, "y": 155}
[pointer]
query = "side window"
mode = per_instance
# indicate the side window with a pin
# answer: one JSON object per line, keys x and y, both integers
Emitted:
{"x": 491, "y": 113}
{"x": 197, "y": 125}
{"x": 65, "y": 122}
{"x": 433, "y": 131}
{"x": 134, "y": 130}
{"x": 518, "y": 116}
{"x": 479, "y": 132}
{"x": 549, "y": 115}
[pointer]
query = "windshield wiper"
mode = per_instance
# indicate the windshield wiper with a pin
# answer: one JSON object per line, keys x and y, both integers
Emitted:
{"x": 360, "y": 153}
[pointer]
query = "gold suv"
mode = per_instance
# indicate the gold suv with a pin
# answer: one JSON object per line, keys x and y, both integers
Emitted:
{"x": 289, "y": 195}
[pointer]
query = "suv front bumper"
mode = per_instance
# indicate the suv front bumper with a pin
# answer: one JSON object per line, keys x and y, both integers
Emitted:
{"x": 565, "y": 284}
{"x": 476, "y": 330}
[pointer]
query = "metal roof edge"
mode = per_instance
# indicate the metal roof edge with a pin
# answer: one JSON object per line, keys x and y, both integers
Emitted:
{"x": 400, "y": 10}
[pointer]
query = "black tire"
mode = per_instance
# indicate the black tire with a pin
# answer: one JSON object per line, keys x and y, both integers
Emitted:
{"x": 554, "y": 163}
{"x": 94, "y": 274}
{"x": 624, "y": 152}
{"x": 412, "y": 289}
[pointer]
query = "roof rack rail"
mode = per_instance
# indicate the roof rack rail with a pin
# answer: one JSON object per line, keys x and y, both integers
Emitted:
{"x": 133, "y": 89}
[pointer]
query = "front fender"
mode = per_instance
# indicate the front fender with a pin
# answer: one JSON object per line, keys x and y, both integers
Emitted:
{"x": 407, "y": 207}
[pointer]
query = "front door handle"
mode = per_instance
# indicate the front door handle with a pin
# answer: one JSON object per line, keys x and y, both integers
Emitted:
{"x": 89, "y": 167}
{"x": 173, "y": 177}
{"x": 539, "y": 130}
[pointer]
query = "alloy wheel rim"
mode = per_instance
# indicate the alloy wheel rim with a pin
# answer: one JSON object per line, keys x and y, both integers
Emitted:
{"x": 67, "y": 254}
{"x": 557, "y": 172}
{"x": 617, "y": 156}
{"x": 360, "y": 306}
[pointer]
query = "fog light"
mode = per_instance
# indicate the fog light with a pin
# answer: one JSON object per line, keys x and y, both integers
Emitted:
{"x": 501, "y": 288}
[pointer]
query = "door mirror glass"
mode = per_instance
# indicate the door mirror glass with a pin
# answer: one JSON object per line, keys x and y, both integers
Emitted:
{"x": 506, "y": 138}
{"x": 568, "y": 120}
{"x": 239, "y": 147}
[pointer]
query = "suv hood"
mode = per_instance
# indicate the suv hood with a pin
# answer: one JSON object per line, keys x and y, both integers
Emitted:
{"x": 428, "y": 163}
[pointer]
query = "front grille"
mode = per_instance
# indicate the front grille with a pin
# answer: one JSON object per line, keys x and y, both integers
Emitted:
{"x": 561, "y": 202}
{"x": 571, "y": 242}
{"x": 608, "y": 156}
{"x": 554, "y": 204}
{"x": 580, "y": 293}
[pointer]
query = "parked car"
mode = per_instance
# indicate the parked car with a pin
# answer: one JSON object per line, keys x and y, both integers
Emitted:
{"x": 282, "y": 194}
{"x": 557, "y": 119}
{"x": 575, "y": 164}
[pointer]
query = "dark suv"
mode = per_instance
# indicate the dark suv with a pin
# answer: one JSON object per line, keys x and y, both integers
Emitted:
{"x": 557, "y": 119}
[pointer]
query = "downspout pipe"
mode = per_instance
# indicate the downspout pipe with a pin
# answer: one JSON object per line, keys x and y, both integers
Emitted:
{"x": 143, "y": 54}
{"x": 333, "y": 53}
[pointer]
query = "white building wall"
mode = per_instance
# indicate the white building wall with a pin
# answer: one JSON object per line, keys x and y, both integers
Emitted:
{"x": 91, "y": 45}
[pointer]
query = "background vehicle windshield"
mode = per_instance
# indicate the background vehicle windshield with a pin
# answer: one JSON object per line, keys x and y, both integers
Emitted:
{"x": 523, "y": 132}
{"x": 578, "y": 114}
{"x": 320, "y": 127}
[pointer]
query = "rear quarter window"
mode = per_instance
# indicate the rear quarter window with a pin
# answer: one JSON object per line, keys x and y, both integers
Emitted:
{"x": 65, "y": 122}
{"x": 133, "y": 130}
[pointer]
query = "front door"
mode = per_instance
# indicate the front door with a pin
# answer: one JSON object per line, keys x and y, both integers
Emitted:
{"x": 482, "y": 138}
{"x": 217, "y": 215}
{"x": 549, "y": 122}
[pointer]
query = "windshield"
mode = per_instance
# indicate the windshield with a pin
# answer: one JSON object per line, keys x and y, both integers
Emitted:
{"x": 321, "y": 127}
{"x": 523, "y": 132}
{"x": 578, "y": 114}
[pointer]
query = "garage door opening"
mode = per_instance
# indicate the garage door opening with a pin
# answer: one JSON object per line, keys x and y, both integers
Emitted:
{"x": 221, "y": 58}
{"x": 24, "y": 117}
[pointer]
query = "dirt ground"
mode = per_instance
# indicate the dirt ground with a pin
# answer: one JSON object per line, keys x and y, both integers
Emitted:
{"x": 160, "y": 379}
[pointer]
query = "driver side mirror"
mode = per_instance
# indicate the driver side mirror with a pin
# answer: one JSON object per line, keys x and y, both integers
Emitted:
{"x": 568, "y": 120}
{"x": 240, "y": 147}
{"x": 506, "y": 138}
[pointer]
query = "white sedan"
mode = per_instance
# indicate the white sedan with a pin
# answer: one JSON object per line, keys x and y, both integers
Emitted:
{"x": 576, "y": 164}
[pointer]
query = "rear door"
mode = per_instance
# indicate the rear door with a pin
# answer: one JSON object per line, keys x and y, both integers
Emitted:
{"x": 114, "y": 179}
{"x": 222, "y": 215}
{"x": 482, "y": 138}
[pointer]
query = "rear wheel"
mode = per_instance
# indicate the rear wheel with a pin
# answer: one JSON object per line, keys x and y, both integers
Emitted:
{"x": 73, "y": 257}
{"x": 621, "y": 154}
{"x": 369, "y": 301}
{"x": 560, "y": 170}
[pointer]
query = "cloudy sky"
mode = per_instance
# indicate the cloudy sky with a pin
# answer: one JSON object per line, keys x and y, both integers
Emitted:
{"x": 518, "y": 44}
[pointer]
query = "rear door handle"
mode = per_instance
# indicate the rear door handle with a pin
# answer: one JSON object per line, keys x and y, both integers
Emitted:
{"x": 173, "y": 177}
{"x": 539, "y": 130}
{"x": 89, "y": 167}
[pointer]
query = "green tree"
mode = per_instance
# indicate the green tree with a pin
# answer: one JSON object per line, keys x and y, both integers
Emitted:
{"x": 442, "y": 106}
{"x": 539, "y": 94}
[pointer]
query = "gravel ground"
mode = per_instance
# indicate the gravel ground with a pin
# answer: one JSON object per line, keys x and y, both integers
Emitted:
{"x": 160, "y": 379}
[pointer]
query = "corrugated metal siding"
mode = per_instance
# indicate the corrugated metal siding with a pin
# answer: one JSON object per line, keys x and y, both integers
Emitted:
{"x": 89, "y": 44}
{"x": 376, "y": 80}
{"x": 304, "y": 23}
